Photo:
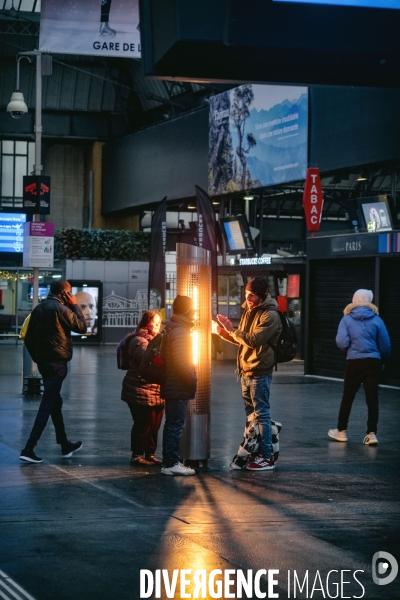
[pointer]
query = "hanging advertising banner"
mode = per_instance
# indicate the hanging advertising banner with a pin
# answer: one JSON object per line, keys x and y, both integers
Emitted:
{"x": 100, "y": 28}
{"x": 157, "y": 269}
{"x": 36, "y": 195}
{"x": 38, "y": 244}
{"x": 207, "y": 240}
{"x": 258, "y": 137}
{"x": 313, "y": 199}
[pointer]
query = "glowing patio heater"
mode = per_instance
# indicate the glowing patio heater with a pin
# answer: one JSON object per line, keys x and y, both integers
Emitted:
{"x": 193, "y": 278}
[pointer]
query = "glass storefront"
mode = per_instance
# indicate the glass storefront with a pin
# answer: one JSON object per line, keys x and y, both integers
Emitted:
{"x": 229, "y": 297}
{"x": 16, "y": 291}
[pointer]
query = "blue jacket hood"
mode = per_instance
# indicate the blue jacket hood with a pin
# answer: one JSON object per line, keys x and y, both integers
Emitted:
{"x": 361, "y": 313}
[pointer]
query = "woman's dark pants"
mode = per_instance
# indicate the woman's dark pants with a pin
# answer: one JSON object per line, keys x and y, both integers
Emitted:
{"x": 364, "y": 371}
{"x": 146, "y": 423}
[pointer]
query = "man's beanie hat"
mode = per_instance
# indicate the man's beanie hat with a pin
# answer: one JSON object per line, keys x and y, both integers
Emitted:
{"x": 363, "y": 296}
{"x": 182, "y": 304}
{"x": 258, "y": 286}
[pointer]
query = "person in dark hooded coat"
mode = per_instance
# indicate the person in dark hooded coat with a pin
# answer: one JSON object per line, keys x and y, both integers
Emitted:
{"x": 143, "y": 399}
{"x": 180, "y": 385}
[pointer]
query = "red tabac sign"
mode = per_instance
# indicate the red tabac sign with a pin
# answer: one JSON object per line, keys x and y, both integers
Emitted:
{"x": 313, "y": 199}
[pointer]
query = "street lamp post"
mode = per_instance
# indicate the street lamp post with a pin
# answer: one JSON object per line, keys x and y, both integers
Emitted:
{"x": 17, "y": 108}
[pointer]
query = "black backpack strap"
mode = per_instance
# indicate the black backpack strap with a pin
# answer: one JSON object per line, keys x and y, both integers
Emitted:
{"x": 273, "y": 309}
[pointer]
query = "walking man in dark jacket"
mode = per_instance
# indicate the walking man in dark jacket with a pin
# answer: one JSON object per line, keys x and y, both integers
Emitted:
{"x": 258, "y": 331}
{"x": 48, "y": 341}
{"x": 180, "y": 384}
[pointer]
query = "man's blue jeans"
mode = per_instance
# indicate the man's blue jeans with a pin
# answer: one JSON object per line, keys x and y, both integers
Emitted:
{"x": 51, "y": 405}
{"x": 255, "y": 393}
{"x": 175, "y": 417}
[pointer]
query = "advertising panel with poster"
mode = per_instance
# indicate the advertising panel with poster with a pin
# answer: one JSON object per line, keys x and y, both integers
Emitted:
{"x": 376, "y": 214}
{"x": 257, "y": 137}
{"x": 89, "y": 298}
{"x": 100, "y": 28}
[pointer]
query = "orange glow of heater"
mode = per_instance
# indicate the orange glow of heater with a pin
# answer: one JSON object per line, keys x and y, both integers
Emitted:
{"x": 193, "y": 278}
{"x": 195, "y": 333}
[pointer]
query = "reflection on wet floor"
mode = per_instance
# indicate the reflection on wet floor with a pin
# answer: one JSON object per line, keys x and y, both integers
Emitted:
{"x": 84, "y": 527}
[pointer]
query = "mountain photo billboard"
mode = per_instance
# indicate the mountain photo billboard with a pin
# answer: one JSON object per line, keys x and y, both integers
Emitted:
{"x": 258, "y": 137}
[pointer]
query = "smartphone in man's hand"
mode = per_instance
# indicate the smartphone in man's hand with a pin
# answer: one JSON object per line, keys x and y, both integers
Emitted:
{"x": 214, "y": 326}
{"x": 68, "y": 297}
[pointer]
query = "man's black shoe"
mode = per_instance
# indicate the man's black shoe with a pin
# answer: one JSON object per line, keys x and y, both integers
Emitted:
{"x": 30, "y": 456}
{"x": 68, "y": 450}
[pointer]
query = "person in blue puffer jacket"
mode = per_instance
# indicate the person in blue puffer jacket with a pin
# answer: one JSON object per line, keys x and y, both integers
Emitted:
{"x": 364, "y": 335}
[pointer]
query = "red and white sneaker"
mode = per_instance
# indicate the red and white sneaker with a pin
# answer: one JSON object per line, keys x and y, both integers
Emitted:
{"x": 260, "y": 463}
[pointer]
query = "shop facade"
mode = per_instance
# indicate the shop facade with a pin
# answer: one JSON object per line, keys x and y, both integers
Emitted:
{"x": 336, "y": 267}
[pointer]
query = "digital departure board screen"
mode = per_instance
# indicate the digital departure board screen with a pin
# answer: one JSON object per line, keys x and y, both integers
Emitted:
{"x": 12, "y": 232}
{"x": 43, "y": 292}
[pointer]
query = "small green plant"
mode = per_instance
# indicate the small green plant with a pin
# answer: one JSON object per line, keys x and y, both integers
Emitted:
{"x": 99, "y": 244}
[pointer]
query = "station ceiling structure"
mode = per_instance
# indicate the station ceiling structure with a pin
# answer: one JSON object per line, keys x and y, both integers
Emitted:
{"x": 98, "y": 98}
{"x": 92, "y": 97}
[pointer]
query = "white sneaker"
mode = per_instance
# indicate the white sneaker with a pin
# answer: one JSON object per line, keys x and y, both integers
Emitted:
{"x": 371, "y": 439}
{"x": 339, "y": 436}
{"x": 178, "y": 469}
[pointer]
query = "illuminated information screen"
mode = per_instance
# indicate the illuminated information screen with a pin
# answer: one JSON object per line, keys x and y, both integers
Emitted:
{"x": 12, "y": 232}
{"x": 234, "y": 236}
{"x": 365, "y": 3}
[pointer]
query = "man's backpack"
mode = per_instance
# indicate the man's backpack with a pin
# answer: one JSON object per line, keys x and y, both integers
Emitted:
{"x": 287, "y": 344}
{"x": 153, "y": 367}
{"x": 123, "y": 360}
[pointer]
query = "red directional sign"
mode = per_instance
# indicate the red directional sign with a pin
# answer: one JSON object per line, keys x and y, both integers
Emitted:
{"x": 36, "y": 196}
{"x": 313, "y": 199}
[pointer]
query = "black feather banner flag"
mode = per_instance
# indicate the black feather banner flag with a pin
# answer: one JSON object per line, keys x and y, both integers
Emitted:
{"x": 158, "y": 241}
{"x": 207, "y": 240}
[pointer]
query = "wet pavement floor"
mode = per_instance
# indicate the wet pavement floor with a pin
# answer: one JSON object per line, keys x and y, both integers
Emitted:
{"x": 89, "y": 527}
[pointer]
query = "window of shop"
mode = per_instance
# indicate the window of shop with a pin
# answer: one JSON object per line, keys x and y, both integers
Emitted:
{"x": 229, "y": 296}
{"x": 16, "y": 156}
{"x": 16, "y": 291}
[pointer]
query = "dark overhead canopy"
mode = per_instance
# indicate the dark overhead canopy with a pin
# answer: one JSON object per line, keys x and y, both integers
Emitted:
{"x": 86, "y": 96}
{"x": 263, "y": 41}
{"x": 286, "y": 200}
